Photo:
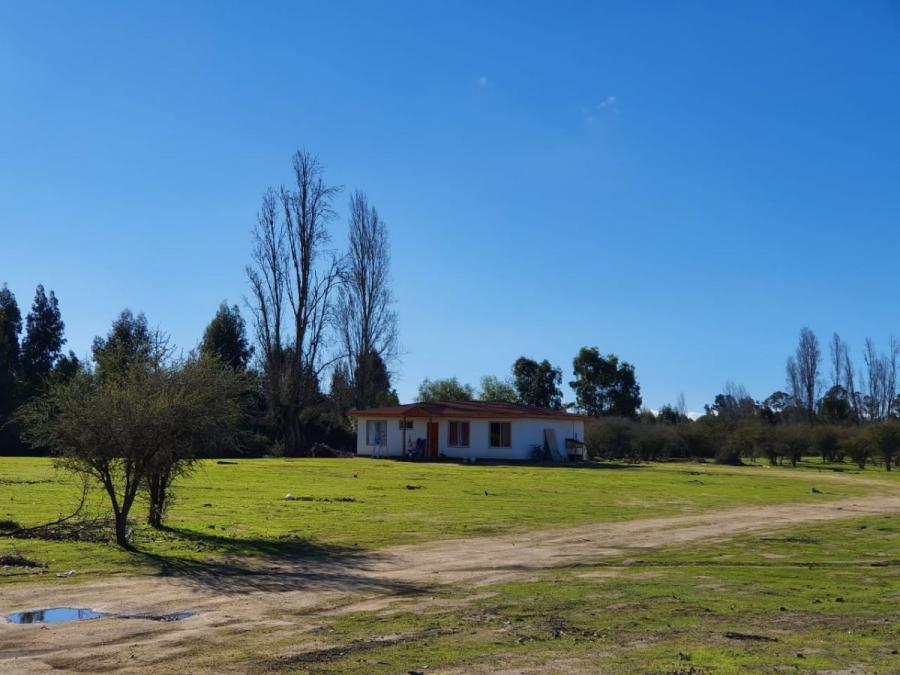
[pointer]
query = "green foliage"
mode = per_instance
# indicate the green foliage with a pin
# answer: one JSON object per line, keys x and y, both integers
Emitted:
{"x": 668, "y": 414}
{"x": 225, "y": 338}
{"x": 148, "y": 420}
{"x": 43, "y": 340}
{"x": 835, "y": 408}
{"x": 537, "y": 384}
{"x": 10, "y": 328}
{"x": 448, "y": 389}
{"x": 495, "y": 389}
{"x": 129, "y": 342}
{"x": 605, "y": 386}
{"x": 372, "y": 382}
{"x": 340, "y": 393}
{"x": 610, "y": 438}
{"x": 884, "y": 439}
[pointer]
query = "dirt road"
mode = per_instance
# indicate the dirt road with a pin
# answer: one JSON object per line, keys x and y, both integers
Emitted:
{"x": 286, "y": 598}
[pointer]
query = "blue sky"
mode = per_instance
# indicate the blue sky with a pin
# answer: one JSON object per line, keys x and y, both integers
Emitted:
{"x": 684, "y": 184}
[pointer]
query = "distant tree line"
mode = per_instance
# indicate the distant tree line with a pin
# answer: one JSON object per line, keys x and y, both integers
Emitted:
{"x": 604, "y": 386}
{"x": 832, "y": 409}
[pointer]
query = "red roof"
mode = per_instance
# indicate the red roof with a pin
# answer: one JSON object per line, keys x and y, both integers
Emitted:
{"x": 466, "y": 409}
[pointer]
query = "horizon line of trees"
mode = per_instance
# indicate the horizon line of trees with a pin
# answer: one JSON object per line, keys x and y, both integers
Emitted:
{"x": 844, "y": 411}
{"x": 135, "y": 416}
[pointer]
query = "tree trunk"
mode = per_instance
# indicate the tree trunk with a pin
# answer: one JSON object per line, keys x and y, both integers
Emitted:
{"x": 157, "y": 502}
{"x": 122, "y": 529}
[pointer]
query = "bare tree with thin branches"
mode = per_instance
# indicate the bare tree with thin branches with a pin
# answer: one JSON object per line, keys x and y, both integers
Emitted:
{"x": 880, "y": 400}
{"x": 293, "y": 279}
{"x": 803, "y": 372}
{"x": 368, "y": 324}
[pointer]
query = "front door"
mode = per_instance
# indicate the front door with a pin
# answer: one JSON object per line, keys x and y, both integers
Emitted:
{"x": 432, "y": 439}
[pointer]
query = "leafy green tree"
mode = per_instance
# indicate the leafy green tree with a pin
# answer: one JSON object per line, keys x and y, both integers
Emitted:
{"x": 129, "y": 342}
{"x": 138, "y": 430}
{"x": 537, "y": 384}
{"x": 225, "y": 338}
{"x": 495, "y": 389}
{"x": 733, "y": 403}
{"x": 604, "y": 385}
{"x": 43, "y": 341}
{"x": 341, "y": 390}
{"x": 826, "y": 440}
{"x": 884, "y": 438}
{"x": 372, "y": 382}
{"x": 858, "y": 447}
{"x": 835, "y": 406}
{"x": 448, "y": 389}
{"x": 66, "y": 367}
{"x": 776, "y": 407}
{"x": 668, "y": 414}
{"x": 10, "y": 329}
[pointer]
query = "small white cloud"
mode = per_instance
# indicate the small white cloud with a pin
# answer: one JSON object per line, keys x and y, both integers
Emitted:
{"x": 482, "y": 81}
{"x": 609, "y": 102}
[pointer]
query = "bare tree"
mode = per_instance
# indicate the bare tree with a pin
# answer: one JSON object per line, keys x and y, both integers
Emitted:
{"x": 368, "y": 323}
{"x": 881, "y": 378}
{"x": 803, "y": 372}
{"x": 680, "y": 405}
{"x": 837, "y": 352}
{"x": 292, "y": 281}
{"x": 850, "y": 382}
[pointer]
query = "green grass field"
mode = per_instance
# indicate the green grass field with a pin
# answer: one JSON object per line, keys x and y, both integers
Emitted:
{"x": 822, "y": 599}
{"x": 815, "y": 598}
{"x": 238, "y": 508}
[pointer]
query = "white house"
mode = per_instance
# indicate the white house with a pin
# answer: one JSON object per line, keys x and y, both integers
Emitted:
{"x": 468, "y": 430}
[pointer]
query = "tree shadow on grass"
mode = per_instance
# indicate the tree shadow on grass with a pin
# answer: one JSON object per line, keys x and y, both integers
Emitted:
{"x": 275, "y": 566}
{"x": 599, "y": 464}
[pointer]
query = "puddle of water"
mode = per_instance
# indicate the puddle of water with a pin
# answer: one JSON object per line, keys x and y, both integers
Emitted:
{"x": 62, "y": 614}
{"x": 54, "y": 615}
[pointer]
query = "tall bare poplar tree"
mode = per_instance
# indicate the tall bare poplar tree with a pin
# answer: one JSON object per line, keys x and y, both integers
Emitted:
{"x": 803, "y": 372}
{"x": 368, "y": 323}
{"x": 880, "y": 400}
{"x": 292, "y": 282}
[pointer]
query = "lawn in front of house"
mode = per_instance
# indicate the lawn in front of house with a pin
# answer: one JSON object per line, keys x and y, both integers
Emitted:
{"x": 237, "y": 508}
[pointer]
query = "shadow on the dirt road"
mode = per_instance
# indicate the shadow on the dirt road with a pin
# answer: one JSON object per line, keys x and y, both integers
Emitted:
{"x": 276, "y": 565}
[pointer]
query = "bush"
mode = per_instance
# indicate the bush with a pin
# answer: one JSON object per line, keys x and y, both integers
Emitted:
{"x": 609, "y": 438}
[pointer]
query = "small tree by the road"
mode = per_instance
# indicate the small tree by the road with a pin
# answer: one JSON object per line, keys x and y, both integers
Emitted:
{"x": 149, "y": 421}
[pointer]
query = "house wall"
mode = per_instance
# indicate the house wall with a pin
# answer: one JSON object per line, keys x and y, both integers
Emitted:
{"x": 524, "y": 435}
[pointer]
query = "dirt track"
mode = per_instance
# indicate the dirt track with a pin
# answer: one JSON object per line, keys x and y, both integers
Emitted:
{"x": 288, "y": 597}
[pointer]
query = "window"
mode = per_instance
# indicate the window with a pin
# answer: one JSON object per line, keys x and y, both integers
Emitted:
{"x": 376, "y": 432}
{"x": 500, "y": 435}
{"x": 458, "y": 434}
{"x": 405, "y": 424}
